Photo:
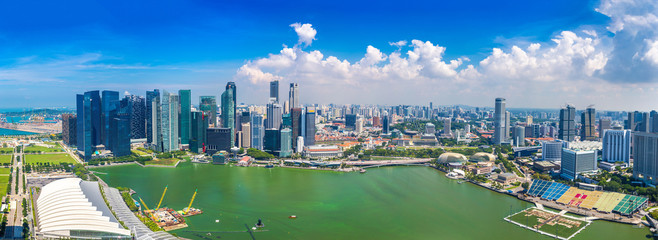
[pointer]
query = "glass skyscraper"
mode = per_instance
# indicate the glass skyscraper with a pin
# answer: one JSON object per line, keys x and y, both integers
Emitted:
{"x": 110, "y": 103}
{"x": 152, "y": 103}
{"x": 208, "y": 104}
{"x": 309, "y": 136}
{"x": 257, "y": 131}
{"x": 185, "y": 117}
{"x": 567, "y": 130}
{"x": 198, "y": 135}
{"x": 169, "y": 125}
{"x": 228, "y": 111}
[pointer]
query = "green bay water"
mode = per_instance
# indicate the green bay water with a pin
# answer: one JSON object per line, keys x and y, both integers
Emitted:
{"x": 384, "y": 203}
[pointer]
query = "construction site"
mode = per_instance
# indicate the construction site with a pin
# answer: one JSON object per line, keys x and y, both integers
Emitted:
{"x": 168, "y": 218}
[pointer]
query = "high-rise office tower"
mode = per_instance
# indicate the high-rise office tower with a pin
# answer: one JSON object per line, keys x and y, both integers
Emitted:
{"x": 309, "y": 135}
{"x": 645, "y": 156}
{"x": 645, "y": 125}
{"x": 246, "y": 135}
{"x": 169, "y": 125}
{"x": 519, "y": 136}
{"x": 575, "y": 161}
{"x": 110, "y": 106}
{"x": 274, "y": 113}
{"x": 500, "y": 122}
{"x": 286, "y": 143}
{"x": 272, "y": 141}
{"x": 228, "y": 111}
{"x": 296, "y": 123}
{"x": 293, "y": 96}
{"x": 231, "y": 85}
{"x": 152, "y": 97}
{"x": 185, "y": 117}
{"x": 350, "y": 121}
{"x": 199, "y": 126}
{"x": 630, "y": 122}
{"x": 567, "y": 130}
{"x": 617, "y": 146}
{"x": 120, "y": 133}
{"x": 69, "y": 130}
{"x": 208, "y": 105}
{"x": 508, "y": 125}
{"x": 218, "y": 139}
{"x": 605, "y": 123}
{"x": 654, "y": 121}
{"x": 588, "y": 124}
{"x": 257, "y": 131}
{"x": 274, "y": 90}
{"x": 385, "y": 124}
{"x": 89, "y": 122}
{"x": 447, "y": 125}
{"x": 135, "y": 107}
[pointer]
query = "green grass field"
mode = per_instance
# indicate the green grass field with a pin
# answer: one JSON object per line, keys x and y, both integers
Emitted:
{"x": 4, "y": 180}
{"x": 5, "y": 159}
{"x": 6, "y": 150}
{"x": 138, "y": 152}
{"x": 165, "y": 161}
{"x": 561, "y": 230}
{"x": 49, "y": 158}
{"x": 42, "y": 149}
{"x": 4, "y": 171}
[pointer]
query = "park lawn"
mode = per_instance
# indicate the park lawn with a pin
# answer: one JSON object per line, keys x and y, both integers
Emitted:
{"x": 4, "y": 171}
{"x": 138, "y": 152}
{"x": 163, "y": 161}
{"x": 42, "y": 149}
{"x": 49, "y": 158}
{"x": 4, "y": 180}
{"x": 5, "y": 159}
{"x": 6, "y": 150}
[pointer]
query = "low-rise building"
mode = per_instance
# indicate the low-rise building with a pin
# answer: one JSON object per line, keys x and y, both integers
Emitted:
{"x": 322, "y": 151}
{"x": 507, "y": 178}
{"x": 545, "y": 166}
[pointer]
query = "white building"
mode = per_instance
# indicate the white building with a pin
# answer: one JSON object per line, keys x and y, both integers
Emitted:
{"x": 575, "y": 162}
{"x": 72, "y": 208}
{"x": 322, "y": 151}
{"x": 552, "y": 151}
{"x": 617, "y": 146}
{"x": 300, "y": 144}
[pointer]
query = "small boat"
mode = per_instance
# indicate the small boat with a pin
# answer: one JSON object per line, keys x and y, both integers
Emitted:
{"x": 362, "y": 171}
{"x": 460, "y": 182}
{"x": 293, "y": 217}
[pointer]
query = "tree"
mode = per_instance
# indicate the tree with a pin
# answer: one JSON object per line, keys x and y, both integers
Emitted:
{"x": 525, "y": 185}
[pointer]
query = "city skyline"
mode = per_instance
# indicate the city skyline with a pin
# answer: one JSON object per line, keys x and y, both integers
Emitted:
{"x": 561, "y": 53}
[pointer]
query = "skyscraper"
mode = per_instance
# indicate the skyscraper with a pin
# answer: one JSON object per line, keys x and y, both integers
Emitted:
{"x": 309, "y": 135}
{"x": 446, "y": 126}
{"x": 69, "y": 130}
{"x": 617, "y": 146}
{"x": 228, "y": 111}
{"x": 654, "y": 121}
{"x": 500, "y": 122}
{"x": 208, "y": 104}
{"x": 169, "y": 125}
{"x": 286, "y": 143}
{"x": 185, "y": 117}
{"x": 274, "y": 90}
{"x": 246, "y": 135}
{"x": 576, "y": 161}
{"x": 588, "y": 124}
{"x": 152, "y": 102}
{"x": 110, "y": 106}
{"x": 519, "y": 136}
{"x": 296, "y": 123}
{"x": 350, "y": 121}
{"x": 274, "y": 113}
{"x": 257, "y": 131}
{"x": 135, "y": 107}
{"x": 199, "y": 127}
{"x": 567, "y": 130}
{"x": 630, "y": 122}
{"x": 272, "y": 141}
{"x": 385, "y": 124}
{"x": 231, "y": 85}
{"x": 218, "y": 139}
{"x": 293, "y": 96}
{"x": 645, "y": 156}
{"x": 89, "y": 122}
{"x": 605, "y": 123}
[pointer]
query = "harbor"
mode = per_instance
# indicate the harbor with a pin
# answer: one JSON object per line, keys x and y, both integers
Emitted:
{"x": 232, "y": 197}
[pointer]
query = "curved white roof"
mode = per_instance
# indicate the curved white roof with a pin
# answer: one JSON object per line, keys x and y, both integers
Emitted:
{"x": 71, "y": 204}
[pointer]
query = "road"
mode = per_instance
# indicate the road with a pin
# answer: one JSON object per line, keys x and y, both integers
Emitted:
{"x": 14, "y": 229}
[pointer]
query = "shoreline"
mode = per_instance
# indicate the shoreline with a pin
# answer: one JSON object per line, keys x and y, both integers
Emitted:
{"x": 26, "y": 133}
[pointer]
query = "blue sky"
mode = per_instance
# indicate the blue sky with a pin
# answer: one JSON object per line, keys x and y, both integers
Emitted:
{"x": 49, "y": 51}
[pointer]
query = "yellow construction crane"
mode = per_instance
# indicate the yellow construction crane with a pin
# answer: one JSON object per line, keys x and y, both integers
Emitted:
{"x": 144, "y": 204}
{"x": 163, "y": 194}
{"x": 191, "y": 201}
